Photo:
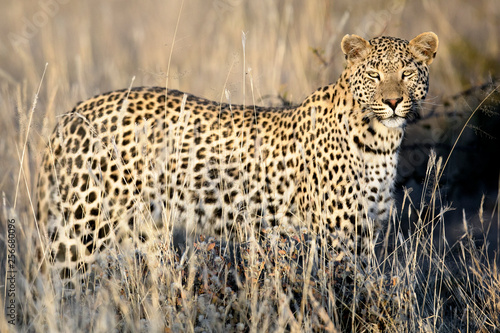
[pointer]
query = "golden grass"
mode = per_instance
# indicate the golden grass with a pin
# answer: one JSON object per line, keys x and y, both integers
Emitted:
{"x": 291, "y": 48}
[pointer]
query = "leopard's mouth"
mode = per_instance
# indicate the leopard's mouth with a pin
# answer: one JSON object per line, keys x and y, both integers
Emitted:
{"x": 393, "y": 121}
{"x": 393, "y": 118}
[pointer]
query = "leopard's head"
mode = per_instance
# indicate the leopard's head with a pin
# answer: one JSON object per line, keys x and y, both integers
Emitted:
{"x": 389, "y": 76}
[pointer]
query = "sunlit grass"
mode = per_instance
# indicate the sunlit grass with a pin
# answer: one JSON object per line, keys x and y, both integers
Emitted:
{"x": 286, "y": 283}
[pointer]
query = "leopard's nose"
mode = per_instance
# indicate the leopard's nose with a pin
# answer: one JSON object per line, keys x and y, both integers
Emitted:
{"x": 392, "y": 102}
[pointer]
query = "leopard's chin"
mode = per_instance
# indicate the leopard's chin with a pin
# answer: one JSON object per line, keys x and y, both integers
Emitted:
{"x": 394, "y": 122}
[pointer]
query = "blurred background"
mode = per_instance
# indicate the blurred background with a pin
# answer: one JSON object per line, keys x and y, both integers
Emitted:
{"x": 260, "y": 51}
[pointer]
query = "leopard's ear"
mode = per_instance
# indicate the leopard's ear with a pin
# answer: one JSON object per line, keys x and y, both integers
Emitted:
{"x": 424, "y": 47}
{"x": 355, "y": 48}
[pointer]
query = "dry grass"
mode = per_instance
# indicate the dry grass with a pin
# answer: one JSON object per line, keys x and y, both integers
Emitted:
{"x": 420, "y": 283}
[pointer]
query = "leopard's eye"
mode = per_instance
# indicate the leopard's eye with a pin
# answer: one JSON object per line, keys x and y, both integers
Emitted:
{"x": 408, "y": 74}
{"x": 373, "y": 75}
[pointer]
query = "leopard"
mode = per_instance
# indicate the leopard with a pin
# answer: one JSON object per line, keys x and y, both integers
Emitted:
{"x": 125, "y": 168}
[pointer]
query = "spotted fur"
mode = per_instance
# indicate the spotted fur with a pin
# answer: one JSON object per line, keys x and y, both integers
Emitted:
{"x": 123, "y": 166}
